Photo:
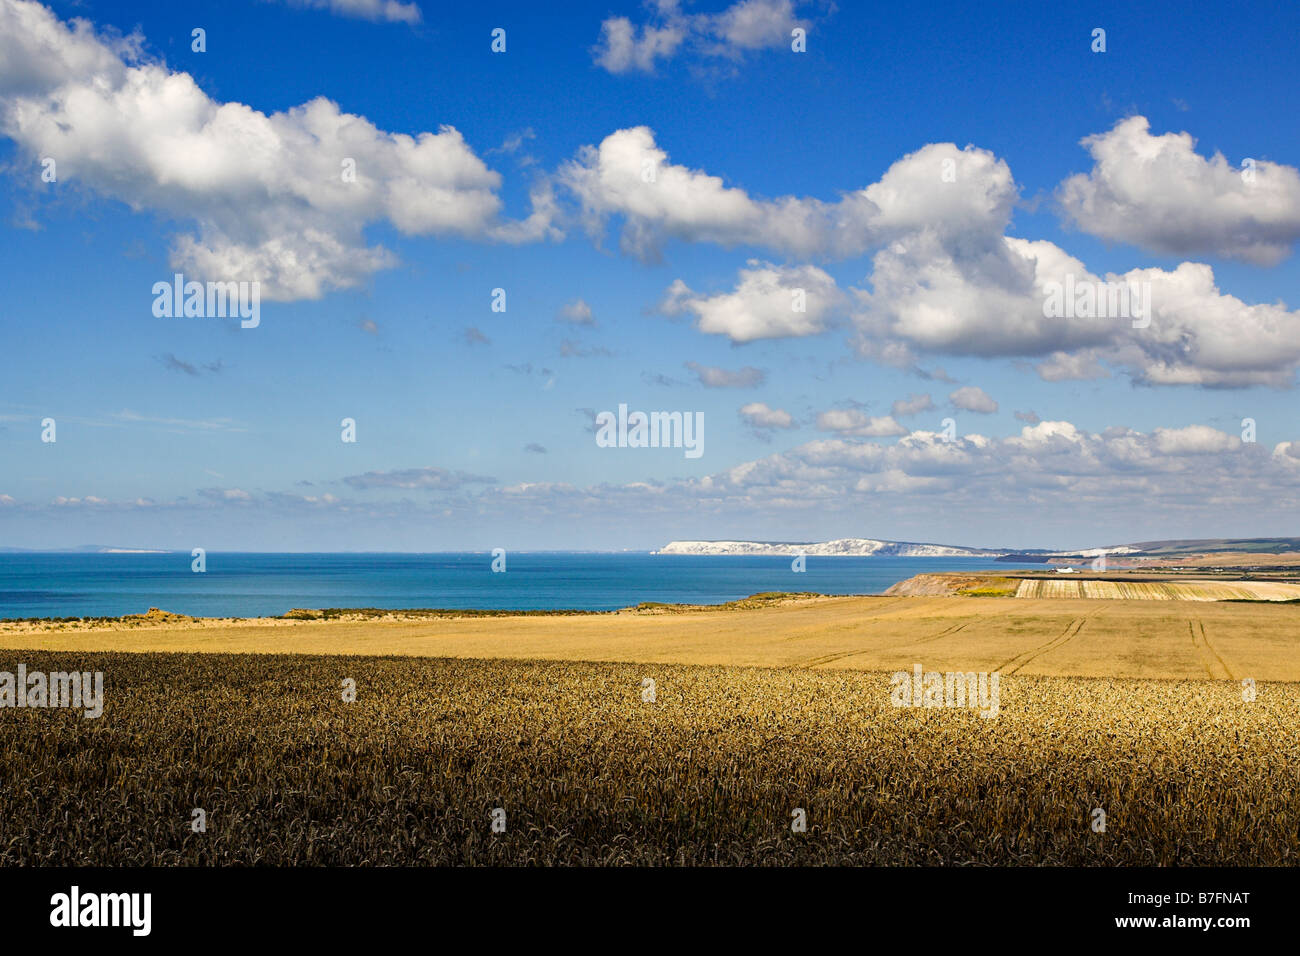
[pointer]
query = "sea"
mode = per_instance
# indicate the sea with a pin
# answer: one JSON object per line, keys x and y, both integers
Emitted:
{"x": 45, "y": 584}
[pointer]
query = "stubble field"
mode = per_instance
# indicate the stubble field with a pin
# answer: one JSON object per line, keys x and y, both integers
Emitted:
{"x": 1068, "y": 637}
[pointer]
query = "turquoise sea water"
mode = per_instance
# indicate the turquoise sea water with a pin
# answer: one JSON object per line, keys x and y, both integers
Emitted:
{"x": 249, "y": 585}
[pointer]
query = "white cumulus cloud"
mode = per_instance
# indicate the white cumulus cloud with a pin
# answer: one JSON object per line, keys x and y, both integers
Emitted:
{"x": 851, "y": 421}
{"x": 768, "y": 302}
{"x": 630, "y": 179}
{"x": 760, "y": 415}
{"x": 1157, "y": 192}
{"x": 271, "y": 195}
{"x": 972, "y": 398}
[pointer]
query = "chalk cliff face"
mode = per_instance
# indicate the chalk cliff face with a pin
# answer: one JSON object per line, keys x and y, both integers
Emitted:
{"x": 860, "y": 547}
{"x": 840, "y": 546}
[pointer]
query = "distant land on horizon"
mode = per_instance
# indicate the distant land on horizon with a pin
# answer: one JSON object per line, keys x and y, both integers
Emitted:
{"x": 866, "y": 547}
{"x": 842, "y": 547}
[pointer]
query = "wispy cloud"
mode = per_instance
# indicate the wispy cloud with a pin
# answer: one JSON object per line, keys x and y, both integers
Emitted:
{"x": 744, "y": 27}
{"x": 388, "y": 11}
{"x": 711, "y": 376}
{"x": 179, "y": 424}
{"x": 428, "y": 479}
{"x": 171, "y": 362}
{"x": 576, "y": 312}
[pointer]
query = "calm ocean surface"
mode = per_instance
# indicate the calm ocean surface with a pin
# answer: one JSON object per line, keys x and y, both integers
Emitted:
{"x": 251, "y": 585}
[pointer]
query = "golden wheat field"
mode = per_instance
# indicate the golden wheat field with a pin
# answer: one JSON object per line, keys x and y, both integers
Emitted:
{"x": 588, "y": 772}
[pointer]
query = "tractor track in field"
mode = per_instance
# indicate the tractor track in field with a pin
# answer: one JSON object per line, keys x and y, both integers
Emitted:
{"x": 1206, "y": 652}
{"x": 946, "y": 632}
{"x": 1024, "y": 657}
{"x": 840, "y": 655}
{"x": 859, "y": 626}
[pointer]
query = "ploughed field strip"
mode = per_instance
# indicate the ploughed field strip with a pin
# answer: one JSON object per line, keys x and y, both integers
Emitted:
{"x": 1159, "y": 590}
{"x": 588, "y": 772}
{"x": 1148, "y": 639}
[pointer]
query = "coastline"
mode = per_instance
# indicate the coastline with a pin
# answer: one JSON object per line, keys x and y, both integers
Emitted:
{"x": 251, "y": 585}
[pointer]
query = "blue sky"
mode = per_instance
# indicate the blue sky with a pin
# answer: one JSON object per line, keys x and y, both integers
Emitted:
{"x": 474, "y": 426}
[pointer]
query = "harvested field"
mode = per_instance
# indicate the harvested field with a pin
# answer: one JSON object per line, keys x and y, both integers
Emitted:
{"x": 1189, "y": 590}
{"x": 1120, "y": 639}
